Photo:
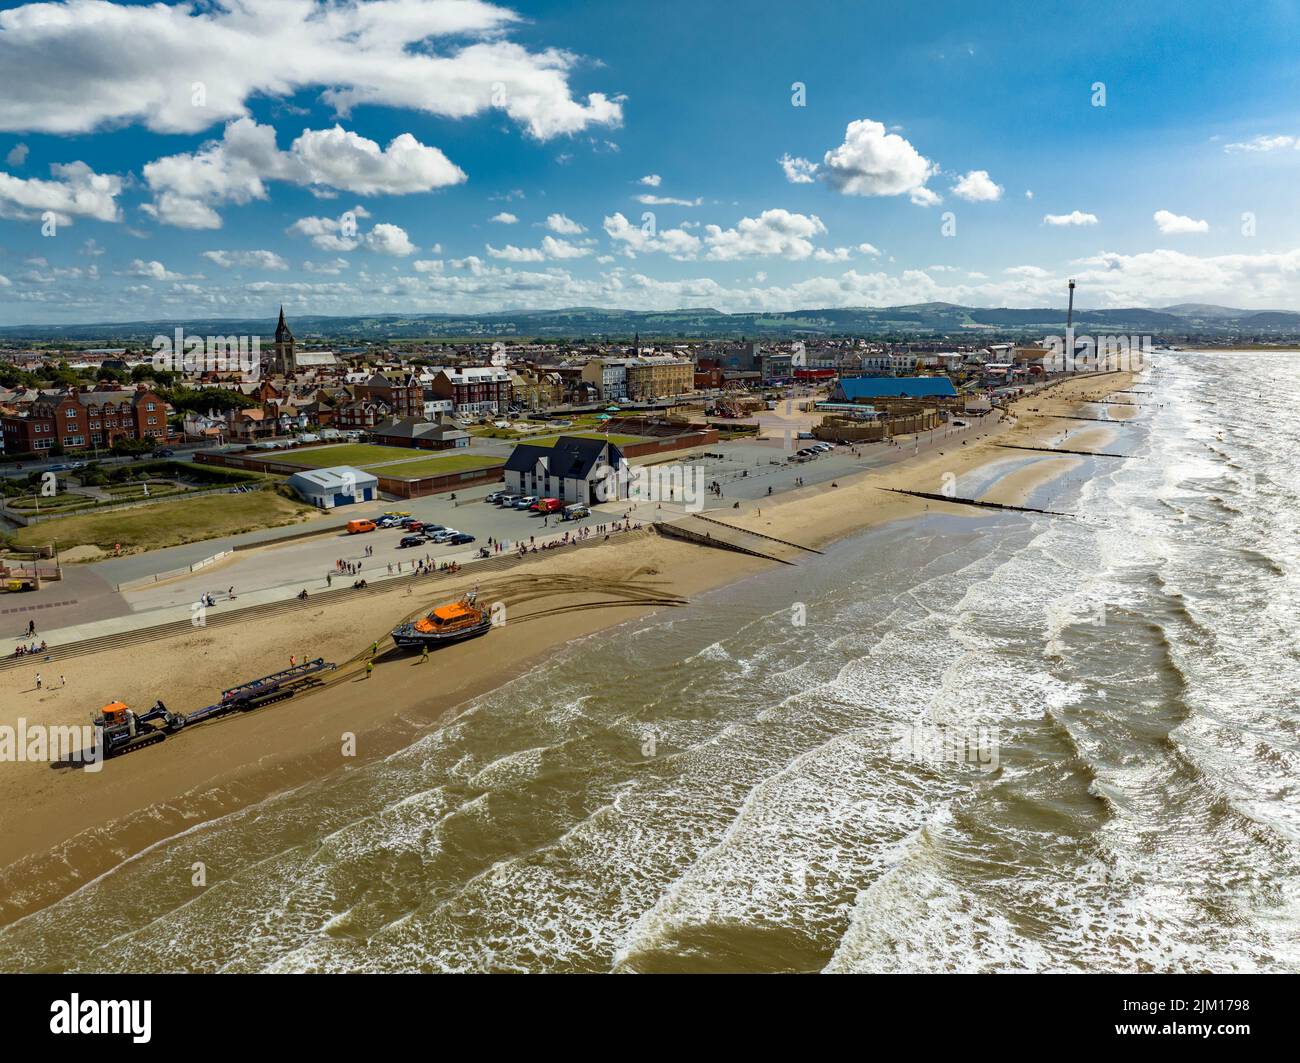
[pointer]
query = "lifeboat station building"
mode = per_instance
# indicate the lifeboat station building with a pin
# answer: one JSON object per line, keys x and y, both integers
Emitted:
{"x": 341, "y": 485}
{"x": 575, "y": 469}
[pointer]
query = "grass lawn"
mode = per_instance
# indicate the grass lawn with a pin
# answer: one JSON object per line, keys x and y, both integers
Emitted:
{"x": 617, "y": 440}
{"x": 355, "y": 454}
{"x": 434, "y": 466}
{"x": 152, "y": 527}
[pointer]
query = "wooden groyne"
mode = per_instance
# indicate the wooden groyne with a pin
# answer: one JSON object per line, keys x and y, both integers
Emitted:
{"x": 973, "y": 502}
{"x": 722, "y": 541}
{"x": 761, "y": 535}
{"x": 1061, "y": 450}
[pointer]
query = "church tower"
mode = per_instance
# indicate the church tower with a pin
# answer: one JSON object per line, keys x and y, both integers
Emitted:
{"x": 283, "y": 361}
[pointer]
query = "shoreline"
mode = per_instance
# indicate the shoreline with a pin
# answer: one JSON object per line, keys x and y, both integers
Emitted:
{"x": 66, "y": 828}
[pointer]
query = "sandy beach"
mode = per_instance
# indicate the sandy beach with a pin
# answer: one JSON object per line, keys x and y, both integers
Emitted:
{"x": 52, "y": 843}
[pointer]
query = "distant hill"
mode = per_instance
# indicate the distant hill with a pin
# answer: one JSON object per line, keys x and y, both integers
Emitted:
{"x": 595, "y": 323}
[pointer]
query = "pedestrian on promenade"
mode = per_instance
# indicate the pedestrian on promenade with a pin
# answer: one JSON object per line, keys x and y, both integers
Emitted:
{"x": 424, "y": 653}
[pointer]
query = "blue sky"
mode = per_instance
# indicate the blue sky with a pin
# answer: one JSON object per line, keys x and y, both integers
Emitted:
{"x": 213, "y": 159}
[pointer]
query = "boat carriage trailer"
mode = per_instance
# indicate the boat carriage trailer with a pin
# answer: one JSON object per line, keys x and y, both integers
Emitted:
{"x": 120, "y": 730}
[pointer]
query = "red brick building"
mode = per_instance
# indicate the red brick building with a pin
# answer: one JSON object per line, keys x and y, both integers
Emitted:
{"x": 79, "y": 420}
{"x": 403, "y": 398}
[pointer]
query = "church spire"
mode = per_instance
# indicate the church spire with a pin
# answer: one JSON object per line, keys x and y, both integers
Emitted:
{"x": 282, "y": 333}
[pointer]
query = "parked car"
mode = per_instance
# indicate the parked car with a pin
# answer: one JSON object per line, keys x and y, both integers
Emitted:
{"x": 959, "y": 424}
{"x": 443, "y": 536}
{"x": 507, "y": 501}
{"x": 547, "y": 505}
{"x": 460, "y": 539}
{"x": 412, "y": 540}
{"x": 576, "y": 512}
{"x": 434, "y": 529}
{"x": 494, "y": 496}
{"x": 525, "y": 502}
{"x": 360, "y": 527}
{"x": 163, "y": 452}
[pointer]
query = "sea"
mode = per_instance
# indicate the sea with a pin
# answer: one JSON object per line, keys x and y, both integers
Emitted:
{"x": 996, "y": 742}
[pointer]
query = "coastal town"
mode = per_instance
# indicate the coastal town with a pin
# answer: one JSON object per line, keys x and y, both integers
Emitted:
{"x": 115, "y": 465}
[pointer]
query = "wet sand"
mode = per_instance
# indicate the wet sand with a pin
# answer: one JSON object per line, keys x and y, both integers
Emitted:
{"x": 52, "y": 840}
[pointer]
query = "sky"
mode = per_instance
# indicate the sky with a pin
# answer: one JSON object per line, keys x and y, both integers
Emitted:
{"x": 217, "y": 159}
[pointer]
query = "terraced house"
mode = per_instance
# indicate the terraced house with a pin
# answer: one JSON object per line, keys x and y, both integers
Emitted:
{"x": 78, "y": 420}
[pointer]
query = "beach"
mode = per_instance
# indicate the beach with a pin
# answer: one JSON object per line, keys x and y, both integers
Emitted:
{"x": 54, "y": 840}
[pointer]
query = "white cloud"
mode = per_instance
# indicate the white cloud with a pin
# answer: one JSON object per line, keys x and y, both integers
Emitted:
{"x": 869, "y": 249}
{"x": 76, "y": 66}
{"x": 154, "y": 270}
{"x": 558, "y": 223}
{"x": 651, "y": 180}
{"x": 385, "y": 239}
{"x": 551, "y": 248}
{"x": 773, "y": 233}
{"x": 977, "y": 187}
{"x": 798, "y": 171}
{"x": 75, "y": 192}
{"x": 667, "y": 201}
{"x": 254, "y": 259}
{"x": 839, "y": 254}
{"x": 1171, "y": 224}
{"x": 554, "y": 248}
{"x": 1029, "y": 193}
{"x": 17, "y": 156}
{"x": 1265, "y": 143}
{"x": 236, "y": 168}
{"x": 678, "y": 243}
{"x": 344, "y": 234}
{"x": 332, "y": 268}
{"x": 504, "y": 218}
{"x": 338, "y": 158}
{"x": 1075, "y": 217}
{"x": 511, "y": 253}
{"x": 874, "y": 162}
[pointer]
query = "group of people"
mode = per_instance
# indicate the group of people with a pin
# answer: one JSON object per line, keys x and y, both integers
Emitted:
{"x": 349, "y": 568}
{"x": 23, "y": 651}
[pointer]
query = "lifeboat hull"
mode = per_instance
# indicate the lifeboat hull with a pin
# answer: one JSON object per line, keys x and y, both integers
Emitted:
{"x": 409, "y": 637}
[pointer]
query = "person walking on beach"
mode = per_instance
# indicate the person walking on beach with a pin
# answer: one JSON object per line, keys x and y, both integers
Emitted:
{"x": 370, "y": 668}
{"x": 38, "y": 680}
{"x": 62, "y": 682}
{"x": 424, "y": 653}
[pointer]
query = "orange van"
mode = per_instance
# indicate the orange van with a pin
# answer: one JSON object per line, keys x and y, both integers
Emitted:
{"x": 356, "y": 527}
